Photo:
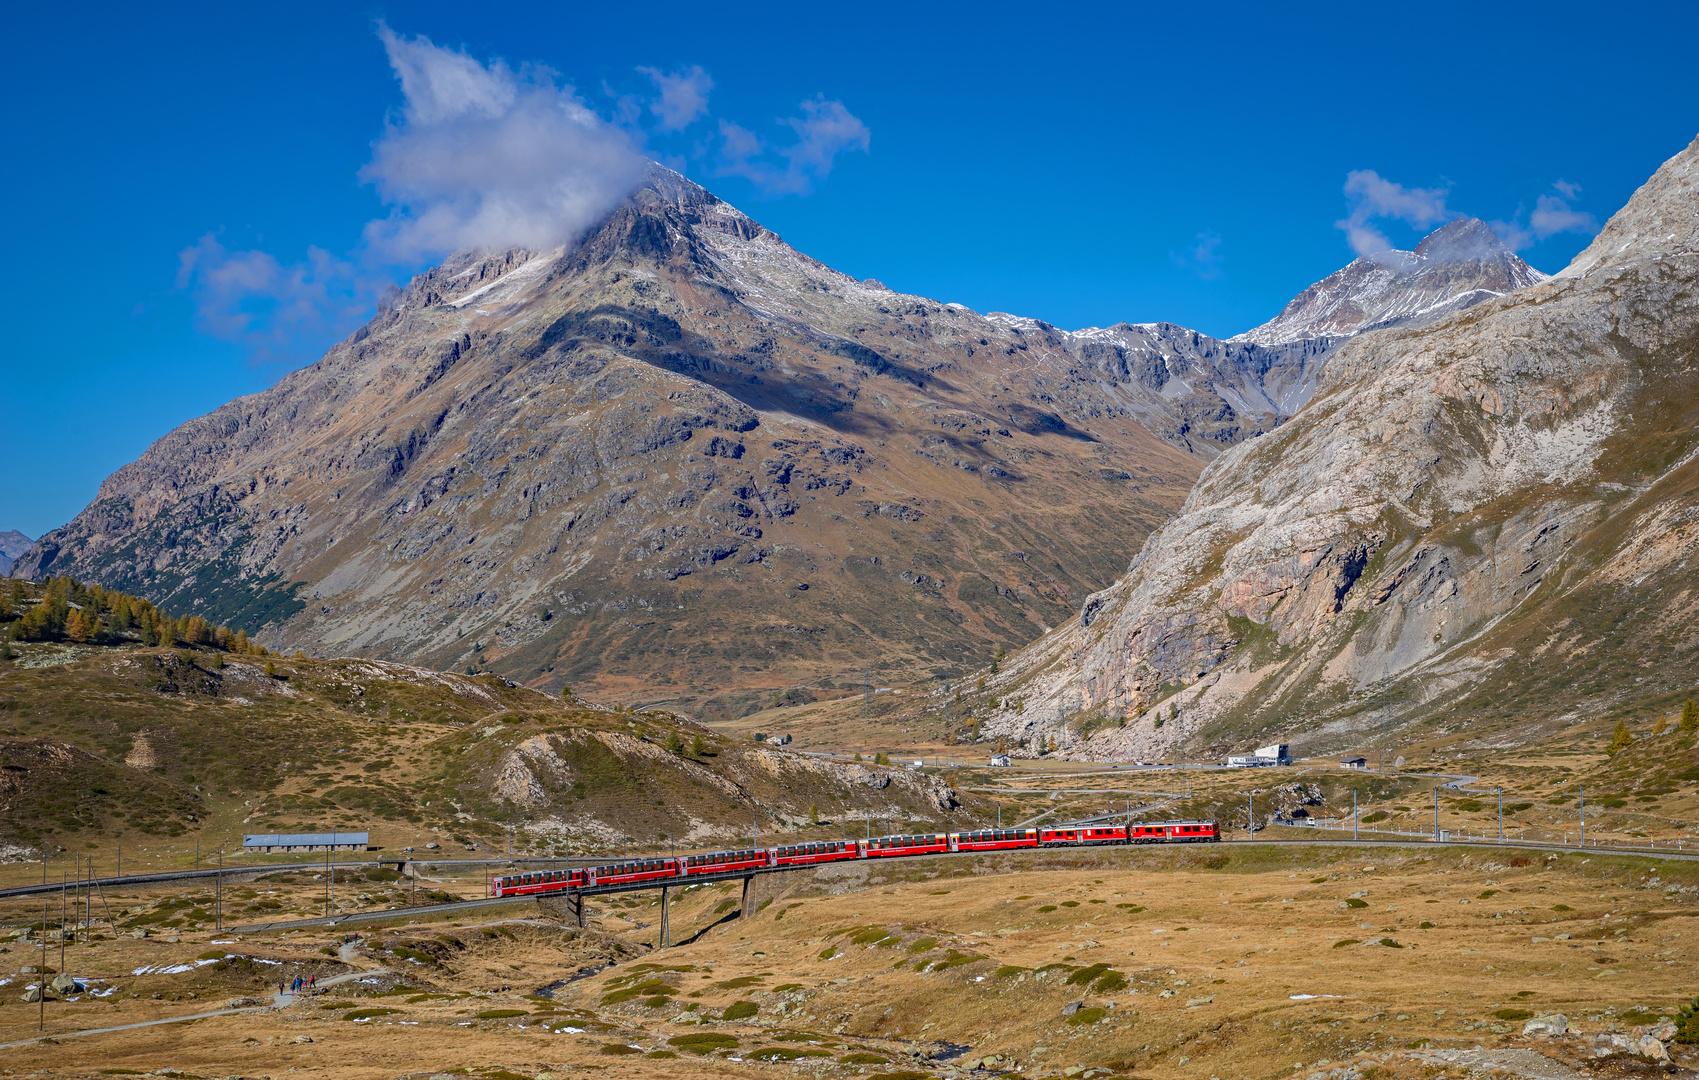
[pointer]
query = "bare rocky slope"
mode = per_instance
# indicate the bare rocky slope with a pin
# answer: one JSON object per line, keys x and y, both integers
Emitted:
{"x": 680, "y": 461}
{"x": 12, "y": 544}
{"x": 1479, "y": 530}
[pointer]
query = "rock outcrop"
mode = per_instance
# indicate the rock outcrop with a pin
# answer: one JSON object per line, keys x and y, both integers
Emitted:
{"x": 1485, "y": 525}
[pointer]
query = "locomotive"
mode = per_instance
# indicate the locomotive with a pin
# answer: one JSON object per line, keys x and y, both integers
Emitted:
{"x": 715, "y": 864}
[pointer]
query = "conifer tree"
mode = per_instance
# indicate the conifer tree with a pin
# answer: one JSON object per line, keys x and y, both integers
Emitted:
{"x": 697, "y": 746}
{"x": 1621, "y": 738}
{"x": 675, "y": 745}
{"x": 1690, "y": 716}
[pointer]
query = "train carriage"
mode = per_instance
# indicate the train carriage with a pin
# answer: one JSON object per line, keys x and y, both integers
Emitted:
{"x": 537, "y": 882}
{"x": 993, "y": 839}
{"x": 817, "y": 852}
{"x": 726, "y": 862}
{"x": 630, "y": 871}
{"x": 915, "y": 844}
{"x": 1078, "y": 835}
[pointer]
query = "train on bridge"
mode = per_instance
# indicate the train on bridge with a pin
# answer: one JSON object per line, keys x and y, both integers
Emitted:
{"x": 716, "y": 863}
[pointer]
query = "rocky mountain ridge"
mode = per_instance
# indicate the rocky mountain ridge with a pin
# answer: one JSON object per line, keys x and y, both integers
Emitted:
{"x": 1456, "y": 266}
{"x": 680, "y": 458}
{"x": 13, "y": 544}
{"x": 1484, "y": 527}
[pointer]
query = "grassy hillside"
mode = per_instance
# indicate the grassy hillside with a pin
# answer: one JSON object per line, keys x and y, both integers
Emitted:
{"x": 157, "y": 747}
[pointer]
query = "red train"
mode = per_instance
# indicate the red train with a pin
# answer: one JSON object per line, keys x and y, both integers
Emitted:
{"x": 715, "y": 863}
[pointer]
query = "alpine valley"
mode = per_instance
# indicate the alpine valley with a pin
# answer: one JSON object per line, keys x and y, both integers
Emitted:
{"x": 1476, "y": 533}
{"x": 681, "y": 461}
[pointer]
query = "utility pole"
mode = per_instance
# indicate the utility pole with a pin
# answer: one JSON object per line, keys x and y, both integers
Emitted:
{"x": 1436, "y": 815}
{"x": 1582, "y": 792}
{"x": 1251, "y": 814}
{"x": 41, "y": 979}
{"x": 1353, "y": 814}
{"x": 1500, "y": 793}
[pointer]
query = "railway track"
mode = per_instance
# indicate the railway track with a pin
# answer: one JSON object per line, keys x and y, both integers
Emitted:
{"x": 239, "y": 870}
{"x": 652, "y": 886}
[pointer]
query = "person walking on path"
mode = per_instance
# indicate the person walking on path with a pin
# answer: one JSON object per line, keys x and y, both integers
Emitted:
{"x": 313, "y": 983}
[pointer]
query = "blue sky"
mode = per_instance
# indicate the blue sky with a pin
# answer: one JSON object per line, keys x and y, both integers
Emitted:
{"x": 202, "y": 198}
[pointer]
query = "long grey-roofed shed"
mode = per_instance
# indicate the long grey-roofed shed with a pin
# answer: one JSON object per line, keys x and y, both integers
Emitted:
{"x": 282, "y": 843}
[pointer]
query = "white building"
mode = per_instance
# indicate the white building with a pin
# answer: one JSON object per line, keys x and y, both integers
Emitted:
{"x": 1272, "y": 754}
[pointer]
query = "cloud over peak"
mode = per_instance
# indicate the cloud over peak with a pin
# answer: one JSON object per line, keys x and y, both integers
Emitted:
{"x": 1370, "y": 196}
{"x": 484, "y": 156}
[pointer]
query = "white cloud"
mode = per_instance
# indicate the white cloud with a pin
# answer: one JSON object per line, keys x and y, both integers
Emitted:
{"x": 1552, "y": 215}
{"x": 1203, "y": 258}
{"x": 683, "y": 96}
{"x": 826, "y": 130}
{"x": 483, "y": 156}
{"x": 277, "y": 311}
{"x": 1371, "y": 196}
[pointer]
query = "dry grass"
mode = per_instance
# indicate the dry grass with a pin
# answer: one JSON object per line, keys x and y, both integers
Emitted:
{"x": 1199, "y": 966}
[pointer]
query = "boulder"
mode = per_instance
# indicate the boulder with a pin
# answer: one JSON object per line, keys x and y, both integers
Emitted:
{"x": 32, "y": 993}
{"x": 1651, "y": 1048}
{"x": 63, "y": 984}
{"x": 1546, "y": 1026}
{"x": 1664, "y": 1030}
{"x": 1072, "y": 1007}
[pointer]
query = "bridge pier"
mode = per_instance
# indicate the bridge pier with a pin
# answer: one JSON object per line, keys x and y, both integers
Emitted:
{"x": 568, "y": 904}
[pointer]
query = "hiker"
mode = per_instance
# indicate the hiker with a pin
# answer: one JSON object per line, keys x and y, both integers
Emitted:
{"x": 312, "y": 983}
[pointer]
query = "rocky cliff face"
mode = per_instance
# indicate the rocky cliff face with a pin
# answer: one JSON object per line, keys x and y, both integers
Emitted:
{"x": 12, "y": 545}
{"x": 679, "y": 461}
{"x": 1205, "y": 394}
{"x": 1480, "y": 527}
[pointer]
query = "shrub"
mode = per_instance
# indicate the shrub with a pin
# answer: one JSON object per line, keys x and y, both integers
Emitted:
{"x": 1086, "y": 1016}
{"x": 619, "y": 1049}
{"x": 1086, "y": 975}
{"x": 501, "y": 1014}
{"x": 1112, "y": 983}
{"x": 862, "y": 1058}
{"x": 702, "y": 1042}
{"x": 1376, "y": 817}
{"x": 1342, "y": 942}
{"x": 367, "y": 1014}
{"x": 740, "y": 1010}
{"x": 1514, "y": 1014}
{"x": 1353, "y": 902}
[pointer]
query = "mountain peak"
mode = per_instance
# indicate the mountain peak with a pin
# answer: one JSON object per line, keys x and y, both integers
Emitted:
{"x": 1456, "y": 266}
{"x": 1463, "y": 240}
